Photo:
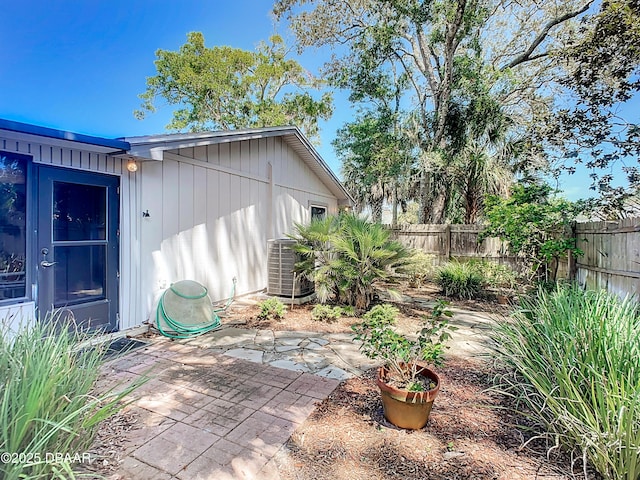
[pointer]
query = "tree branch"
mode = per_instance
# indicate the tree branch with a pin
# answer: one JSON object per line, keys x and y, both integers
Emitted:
{"x": 526, "y": 56}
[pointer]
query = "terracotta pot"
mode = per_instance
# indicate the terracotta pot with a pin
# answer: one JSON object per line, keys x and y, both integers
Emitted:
{"x": 407, "y": 409}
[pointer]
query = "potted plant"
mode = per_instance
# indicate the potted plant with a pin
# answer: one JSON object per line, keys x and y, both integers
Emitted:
{"x": 407, "y": 386}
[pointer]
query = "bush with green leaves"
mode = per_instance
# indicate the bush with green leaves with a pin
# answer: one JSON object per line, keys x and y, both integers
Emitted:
{"x": 326, "y": 313}
{"x": 494, "y": 274}
{"x": 401, "y": 354}
{"x": 573, "y": 358}
{"x": 420, "y": 269}
{"x": 347, "y": 257}
{"x": 47, "y": 402}
{"x": 534, "y": 224}
{"x": 272, "y": 309}
{"x": 459, "y": 280}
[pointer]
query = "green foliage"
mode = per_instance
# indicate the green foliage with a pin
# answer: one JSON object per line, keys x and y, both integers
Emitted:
{"x": 494, "y": 274}
{"x": 534, "y": 226}
{"x": 401, "y": 354}
{"x": 346, "y": 256}
{"x": 326, "y": 313}
{"x": 481, "y": 74}
{"x": 375, "y": 156}
{"x": 420, "y": 269}
{"x": 229, "y": 88}
{"x": 459, "y": 280}
{"x": 272, "y": 309}
{"x": 597, "y": 128}
{"x": 574, "y": 362}
{"x": 47, "y": 402}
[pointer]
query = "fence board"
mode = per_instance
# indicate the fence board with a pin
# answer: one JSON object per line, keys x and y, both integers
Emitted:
{"x": 611, "y": 259}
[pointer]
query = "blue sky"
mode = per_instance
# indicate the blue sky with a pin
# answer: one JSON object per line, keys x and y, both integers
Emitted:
{"x": 80, "y": 65}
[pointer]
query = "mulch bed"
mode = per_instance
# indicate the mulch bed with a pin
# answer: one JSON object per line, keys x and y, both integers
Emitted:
{"x": 470, "y": 435}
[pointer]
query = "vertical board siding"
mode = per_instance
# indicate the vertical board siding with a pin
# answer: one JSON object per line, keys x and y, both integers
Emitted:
{"x": 130, "y": 308}
{"x": 214, "y": 210}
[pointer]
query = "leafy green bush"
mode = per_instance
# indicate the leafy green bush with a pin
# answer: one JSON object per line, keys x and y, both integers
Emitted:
{"x": 346, "y": 256}
{"x": 46, "y": 400}
{"x": 348, "y": 311}
{"x": 535, "y": 226}
{"x": 326, "y": 313}
{"x": 574, "y": 358}
{"x": 459, "y": 280}
{"x": 494, "y": 274}
{"x": 420, "y": 269}
{"x": 401, "y": 354}
{"x": 272, "y": 309}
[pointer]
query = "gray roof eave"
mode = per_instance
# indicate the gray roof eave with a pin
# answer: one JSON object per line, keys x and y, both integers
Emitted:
{"x": 103, "y": 145}
{"x": 153, "y": 147}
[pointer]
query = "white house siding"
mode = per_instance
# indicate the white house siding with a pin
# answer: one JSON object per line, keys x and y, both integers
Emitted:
{"x": 50, "y": 154}
{"x": 212, "y": 209}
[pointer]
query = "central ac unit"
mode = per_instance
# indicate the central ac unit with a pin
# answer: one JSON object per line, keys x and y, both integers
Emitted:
{"x": 281, "y": 259}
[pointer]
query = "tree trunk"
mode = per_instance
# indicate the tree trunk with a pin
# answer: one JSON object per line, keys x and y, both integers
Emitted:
{"x": 394, "y": 207}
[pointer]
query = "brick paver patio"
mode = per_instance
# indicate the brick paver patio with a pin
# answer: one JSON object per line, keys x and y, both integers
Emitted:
{"x": 209, "y": 416}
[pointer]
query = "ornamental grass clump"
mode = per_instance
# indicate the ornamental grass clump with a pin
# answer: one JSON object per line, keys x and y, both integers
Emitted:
{"x": 48, "y": 411}
{"x": 459, "y": 280}
{"x": 574, "y": 363}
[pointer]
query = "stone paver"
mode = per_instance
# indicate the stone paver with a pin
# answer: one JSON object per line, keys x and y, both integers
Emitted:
{"x": 222, "y": 405}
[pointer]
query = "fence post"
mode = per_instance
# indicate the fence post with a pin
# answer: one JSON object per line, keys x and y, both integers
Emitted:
{"x": 571, "y": 259}
{"x": 447, "y": 241}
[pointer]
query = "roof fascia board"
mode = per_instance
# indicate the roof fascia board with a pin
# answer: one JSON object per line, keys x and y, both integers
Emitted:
{"x": 63, "y": 138}
{"x": 152, "y": 143}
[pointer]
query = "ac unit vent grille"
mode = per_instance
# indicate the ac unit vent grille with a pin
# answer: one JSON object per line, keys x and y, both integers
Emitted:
{"x": 281, "y": 260}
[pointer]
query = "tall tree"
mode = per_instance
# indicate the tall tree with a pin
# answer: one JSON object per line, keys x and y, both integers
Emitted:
{"x": 431, "y": 42}
{"x": 229, "y": 88}
{"x": 590, "y": 124}
{"x": 375, "y": 158}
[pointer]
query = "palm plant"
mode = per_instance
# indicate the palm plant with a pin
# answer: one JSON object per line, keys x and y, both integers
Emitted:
{"x": 347, "y": 257}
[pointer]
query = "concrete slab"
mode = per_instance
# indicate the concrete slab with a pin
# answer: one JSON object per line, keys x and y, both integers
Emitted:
{"x": 246, "y": 354}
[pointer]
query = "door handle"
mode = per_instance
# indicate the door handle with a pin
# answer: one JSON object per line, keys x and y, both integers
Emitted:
{"x": 46, "y": 264}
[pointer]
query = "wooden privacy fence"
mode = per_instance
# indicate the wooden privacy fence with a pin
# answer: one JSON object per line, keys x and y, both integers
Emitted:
{"x": 452, "y": 241}
{"x": 611, "y": 257}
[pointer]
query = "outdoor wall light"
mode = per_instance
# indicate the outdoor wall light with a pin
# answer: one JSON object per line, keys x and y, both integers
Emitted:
{"x": 132, "y": 166}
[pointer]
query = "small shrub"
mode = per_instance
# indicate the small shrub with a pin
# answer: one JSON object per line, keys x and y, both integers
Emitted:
{"x": 459, "y": 280}
{"x": 272, "y": 309}
{"x": 420, "y": 269}
{"x": 347, "y": 257}
{"x": 495, "y": 274}
{"x": 402, "y": 355}
{"x": 326, "y": 313}
{"x": 348, "y": 311}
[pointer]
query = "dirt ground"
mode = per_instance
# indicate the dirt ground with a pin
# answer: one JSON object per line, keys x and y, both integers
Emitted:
{"x": 472, "y": 433}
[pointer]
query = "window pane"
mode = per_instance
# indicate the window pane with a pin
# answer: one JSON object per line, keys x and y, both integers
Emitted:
{"x": 79, "y": 212}
{"x": 80, "y": 274}
{"x": 13, "y": 225}
{"x": 318, "y": 213}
